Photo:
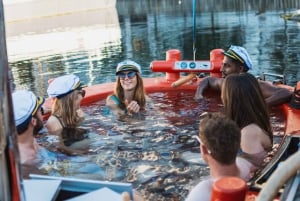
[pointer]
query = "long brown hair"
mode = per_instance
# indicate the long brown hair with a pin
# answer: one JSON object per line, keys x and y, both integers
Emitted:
{"x": 64, "y": 108}
{"x": 139, "y": 92}
{"x": 244, "y": 102}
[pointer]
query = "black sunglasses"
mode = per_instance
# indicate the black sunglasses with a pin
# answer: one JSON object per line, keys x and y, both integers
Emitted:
{"x": 42, "y": 110}
{"x": 81, "y": 92}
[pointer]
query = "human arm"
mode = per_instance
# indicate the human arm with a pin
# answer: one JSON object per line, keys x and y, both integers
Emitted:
{"x": 113, "y": 103}
{"x": 113, "y": 106}
{"x": 53, "y": 125}
{"x": 274, "y": 95}
{"x": 251, "y": 139}
{"x": 208, "y": 82}
{"x": 81, "y": 115}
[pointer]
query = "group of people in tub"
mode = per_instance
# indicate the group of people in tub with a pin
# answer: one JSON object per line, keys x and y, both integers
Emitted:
{"x": 234, "y": 143}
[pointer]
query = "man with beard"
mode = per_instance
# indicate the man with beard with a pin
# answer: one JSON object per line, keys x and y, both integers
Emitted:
{"x": 237, "y": 60}
{"x": 29, "y": 121}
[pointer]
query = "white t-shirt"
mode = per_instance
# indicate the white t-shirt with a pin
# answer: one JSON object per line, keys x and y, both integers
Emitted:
{"x": 201, "y": 192}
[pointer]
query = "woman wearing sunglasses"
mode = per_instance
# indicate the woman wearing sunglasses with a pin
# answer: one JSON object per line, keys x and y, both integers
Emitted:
{"x": 129, "y": 94}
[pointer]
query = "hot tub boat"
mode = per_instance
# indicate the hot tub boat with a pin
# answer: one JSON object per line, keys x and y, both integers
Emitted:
{"x": 174, "y": 67}
{"x": 41, "y": 187}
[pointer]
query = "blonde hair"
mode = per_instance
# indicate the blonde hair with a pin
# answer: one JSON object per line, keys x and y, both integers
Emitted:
{"x": 64, "y": 108}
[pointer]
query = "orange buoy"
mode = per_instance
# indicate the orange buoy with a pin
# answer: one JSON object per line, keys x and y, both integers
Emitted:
{"x": 183, "y": 80}
{"x": 216, "y": 60}
{"x": 173, "y": 55}
{"x": 229, "y": 189}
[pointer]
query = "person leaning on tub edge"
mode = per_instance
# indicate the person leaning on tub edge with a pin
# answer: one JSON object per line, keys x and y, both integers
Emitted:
{"x": 129, "y": 93}
{"x": 237, "y": 60}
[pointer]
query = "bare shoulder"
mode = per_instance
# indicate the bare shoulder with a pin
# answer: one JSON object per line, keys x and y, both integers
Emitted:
{"x": 265, "y": 85}
{"x": 113, "y": 106}
{"x": 254, "y": 139}
{"x": 51, "y": 120}
{"x": 108, "y": 98}
{"x": 251, "y": 131}
{"x": 270, "y": 90}
{"x": 53, "y": 125}
{"x": 250, "y": 139}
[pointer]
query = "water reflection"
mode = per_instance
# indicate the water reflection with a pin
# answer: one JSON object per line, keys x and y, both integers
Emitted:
{"x": 158, "y": 155}
{"x": 90, "y": 43}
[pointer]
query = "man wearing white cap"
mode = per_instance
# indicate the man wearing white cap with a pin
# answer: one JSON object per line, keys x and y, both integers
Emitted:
{"x": 29, "y": 121}
{"x": 237, "y": 60}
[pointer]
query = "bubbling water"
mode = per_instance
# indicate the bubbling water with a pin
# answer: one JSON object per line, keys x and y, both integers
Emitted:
{"x": 156, "y": 153}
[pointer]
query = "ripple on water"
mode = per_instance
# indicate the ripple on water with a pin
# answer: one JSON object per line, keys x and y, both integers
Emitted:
{"x": 158, "y": 155}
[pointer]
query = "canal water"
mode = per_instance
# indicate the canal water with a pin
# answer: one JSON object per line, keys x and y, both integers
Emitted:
{"x": 157, "y": 154}
{"x": 91, "y": 43}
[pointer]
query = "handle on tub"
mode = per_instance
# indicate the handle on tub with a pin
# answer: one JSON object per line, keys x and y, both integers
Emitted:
{"x": 183, "y": 80}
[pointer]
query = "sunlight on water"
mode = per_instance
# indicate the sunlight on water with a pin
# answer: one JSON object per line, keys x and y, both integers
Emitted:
{"x": 60, "y": 42}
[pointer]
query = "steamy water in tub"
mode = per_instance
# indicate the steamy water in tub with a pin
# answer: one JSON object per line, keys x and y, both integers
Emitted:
{"x": 157, "y": 153}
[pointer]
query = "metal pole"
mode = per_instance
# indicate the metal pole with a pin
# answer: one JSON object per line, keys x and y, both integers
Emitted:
{"x": 194, "y": 29}
{"x": 10, "y": 177}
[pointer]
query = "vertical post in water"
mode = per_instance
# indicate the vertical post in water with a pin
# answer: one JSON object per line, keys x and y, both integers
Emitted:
{"x": 10, "y": 177}
{"x": 194, "y": 29}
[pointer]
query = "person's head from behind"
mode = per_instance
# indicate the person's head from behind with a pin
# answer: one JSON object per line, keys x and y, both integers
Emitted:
{"x": 67, "y": 93}
{"x": 220, "y": 138}
{"x": 236, "y": 60}
{"x": 28, "y": 111}
{"x": 244, "y": 102}
{"x": 129, "y": 79}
